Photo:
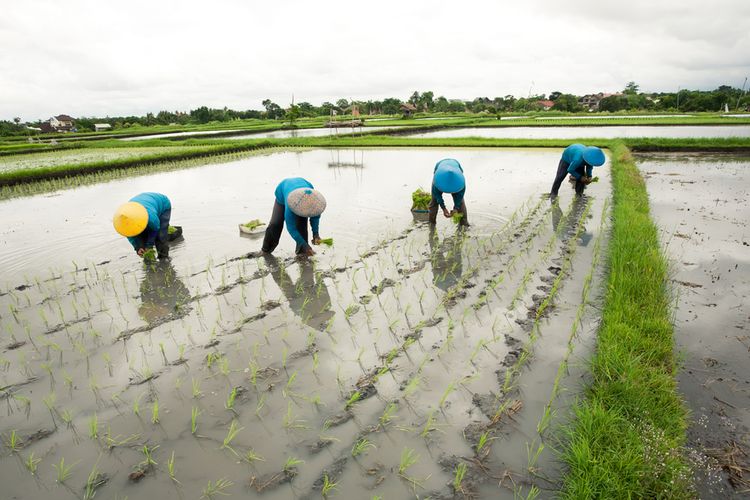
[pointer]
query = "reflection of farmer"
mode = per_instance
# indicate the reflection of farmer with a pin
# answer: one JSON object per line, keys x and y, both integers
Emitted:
{"x": 144, "y": 220}
{"x": 569, "y": 227}
{"x": 308, "y": 297}
{"x": 162, "y": 292}
{"x": 446, "y": 259}
{"x": 296, "y": 201}
{"x": 578, "y": 161}
{"x": 448, "y": 177}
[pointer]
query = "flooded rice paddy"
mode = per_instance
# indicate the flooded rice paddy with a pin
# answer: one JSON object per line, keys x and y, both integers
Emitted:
{"x": 73, "y": 156}
{"x": 593, "y": 132}
{"x": 701, "y": 203}
{"x": 310, "y": 132}
{"x": 402, "y": 362}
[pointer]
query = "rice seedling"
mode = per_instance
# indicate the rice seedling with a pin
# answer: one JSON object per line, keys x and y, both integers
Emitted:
{"x": 408, "y": 458}
{"x": 533, "y": 452}
{"x": 196, "y": 389}
{"x": 49, "y": 402}
{"x": 63, "y": 471}
{"x": 231, "y": 434}
{"x": 13, "y": 442}
{"x": 194, "y": 414}
{"x": 171, "y": 468}
{"x": 149, "y": 461}
{"x": 26, "y": 402}
{"x": 251, "y": 456}
{"x": 229, "y": 404}
{"x": 93, "y": 481}
{"x": 361, "y": 446}
{"x": 291, "y": 463}
{"x": 260, "y": 404}
{"x": 429, "y": 425}
{"x": 31, "y": 463}
{"x": 448, "y": 390}
{"x": 290, "y": 420}
{"x": 219, "y": 487}
{"x": 287, "y": 390}
{"x": 356, "y": 396}
{"x": 484, "y": 440}
{"x": 328, "y": 486}
{"x": 155, "y": 412}
{"x": 94, "y": 426}
{"x": 458, "y": 477}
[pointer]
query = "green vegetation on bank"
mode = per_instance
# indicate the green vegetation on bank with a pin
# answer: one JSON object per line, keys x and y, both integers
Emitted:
{"x": 626, "y": 436}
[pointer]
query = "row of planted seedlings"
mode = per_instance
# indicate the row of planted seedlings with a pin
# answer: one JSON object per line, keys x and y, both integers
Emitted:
{"x": 431, "y": 422}
{"x": 75, "y": 363}
{"x": 582, "y": 328}
{"x": 529, "y": 381}
{"x": 143, "y": 357}
{"x": 406, "y": 392}
{"x": 215, "y": 360}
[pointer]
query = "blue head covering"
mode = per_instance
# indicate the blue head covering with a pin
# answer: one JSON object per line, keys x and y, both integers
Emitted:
{"x": 593, "y": 156}
{"x": 449, "y": 176}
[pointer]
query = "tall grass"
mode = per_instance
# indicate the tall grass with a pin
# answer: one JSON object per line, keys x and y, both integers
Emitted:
{"x": 626, "y": 437}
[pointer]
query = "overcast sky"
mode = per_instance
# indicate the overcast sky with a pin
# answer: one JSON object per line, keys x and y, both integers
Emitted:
{"x": 97, "y": 58}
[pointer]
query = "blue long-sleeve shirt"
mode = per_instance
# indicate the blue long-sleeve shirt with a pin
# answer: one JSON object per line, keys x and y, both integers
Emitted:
{"x": 290, "y": 218}
{"x": 155, "y": 204}
{"x": 437, "y": 195}
{"x": 573, "y": 156}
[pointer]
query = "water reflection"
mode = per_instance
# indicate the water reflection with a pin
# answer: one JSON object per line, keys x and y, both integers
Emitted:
{"x": 569, "y": 224}
{"x": 163, "y": 294}
{"x": 308, "y": 297}
{"x": 446, "y": 258}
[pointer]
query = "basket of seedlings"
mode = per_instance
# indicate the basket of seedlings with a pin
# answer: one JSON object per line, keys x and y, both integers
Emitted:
{"x": 174, "y": 233}
{"x": 253, "y": 228}
{"x": 420, "y": 204}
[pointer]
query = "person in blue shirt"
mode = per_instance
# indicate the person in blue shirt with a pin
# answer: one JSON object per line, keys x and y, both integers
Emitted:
{"x": 144, "y": 220}
{"x": 448, "y": 177}
{"x": 296, "y": 201}
{"x": 578, "y": 161}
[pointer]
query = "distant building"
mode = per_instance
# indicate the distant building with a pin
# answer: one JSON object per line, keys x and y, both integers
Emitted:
{"x": 408, "y": 109}
{"x": 546, "y": 105}
{"x": 100, "y": 127}
{"x": 59, "y": 123}
{"x": 591, "y": 102}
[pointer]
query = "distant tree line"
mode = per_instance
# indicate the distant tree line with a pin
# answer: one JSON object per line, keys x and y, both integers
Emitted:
{"x": 630, "y": 99}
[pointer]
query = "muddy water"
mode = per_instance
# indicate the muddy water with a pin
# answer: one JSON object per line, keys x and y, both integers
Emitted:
{"x": 593, "y": 132}
{"x": 700, "y": 201}
{"x": 309, "y": 132}
{"x": 169, "y": 135}
{"x": 408, "y": 341}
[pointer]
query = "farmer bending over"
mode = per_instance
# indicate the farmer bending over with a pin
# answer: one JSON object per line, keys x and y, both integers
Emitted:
{"x": 296, "y": 201}
{"x": 448, "y": 177}
{"x": 578, "y": 161}
{"x": 144, "y": 220}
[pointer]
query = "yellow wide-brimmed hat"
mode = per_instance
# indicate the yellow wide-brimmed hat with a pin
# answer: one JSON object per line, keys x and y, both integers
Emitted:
{"x": 130, "y": 219}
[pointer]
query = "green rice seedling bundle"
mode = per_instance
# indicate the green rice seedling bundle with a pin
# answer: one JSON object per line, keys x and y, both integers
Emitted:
{"x": 253, "y": 224}
{"x": 420, "y": 199}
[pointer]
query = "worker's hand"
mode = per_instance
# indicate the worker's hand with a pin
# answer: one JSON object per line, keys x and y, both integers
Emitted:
{"x": 586, "y": 180}
{"x": 316, "y": 240}
{"x": 141, "y": 251}
{"x": 309, "y": 251}
{"x": 446, "y": 213}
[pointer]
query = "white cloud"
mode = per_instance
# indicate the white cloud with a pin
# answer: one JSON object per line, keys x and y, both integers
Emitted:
{"x": 97, "y": 58}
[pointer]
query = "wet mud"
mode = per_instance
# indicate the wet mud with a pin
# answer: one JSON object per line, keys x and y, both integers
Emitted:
{"x": 700, "y": 202}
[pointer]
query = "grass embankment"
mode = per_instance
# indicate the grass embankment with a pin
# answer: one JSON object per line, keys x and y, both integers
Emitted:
{"x": 626, "y": 438}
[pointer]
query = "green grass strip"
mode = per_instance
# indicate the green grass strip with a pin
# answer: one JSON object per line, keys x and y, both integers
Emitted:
{"x": 626, "y": 437}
